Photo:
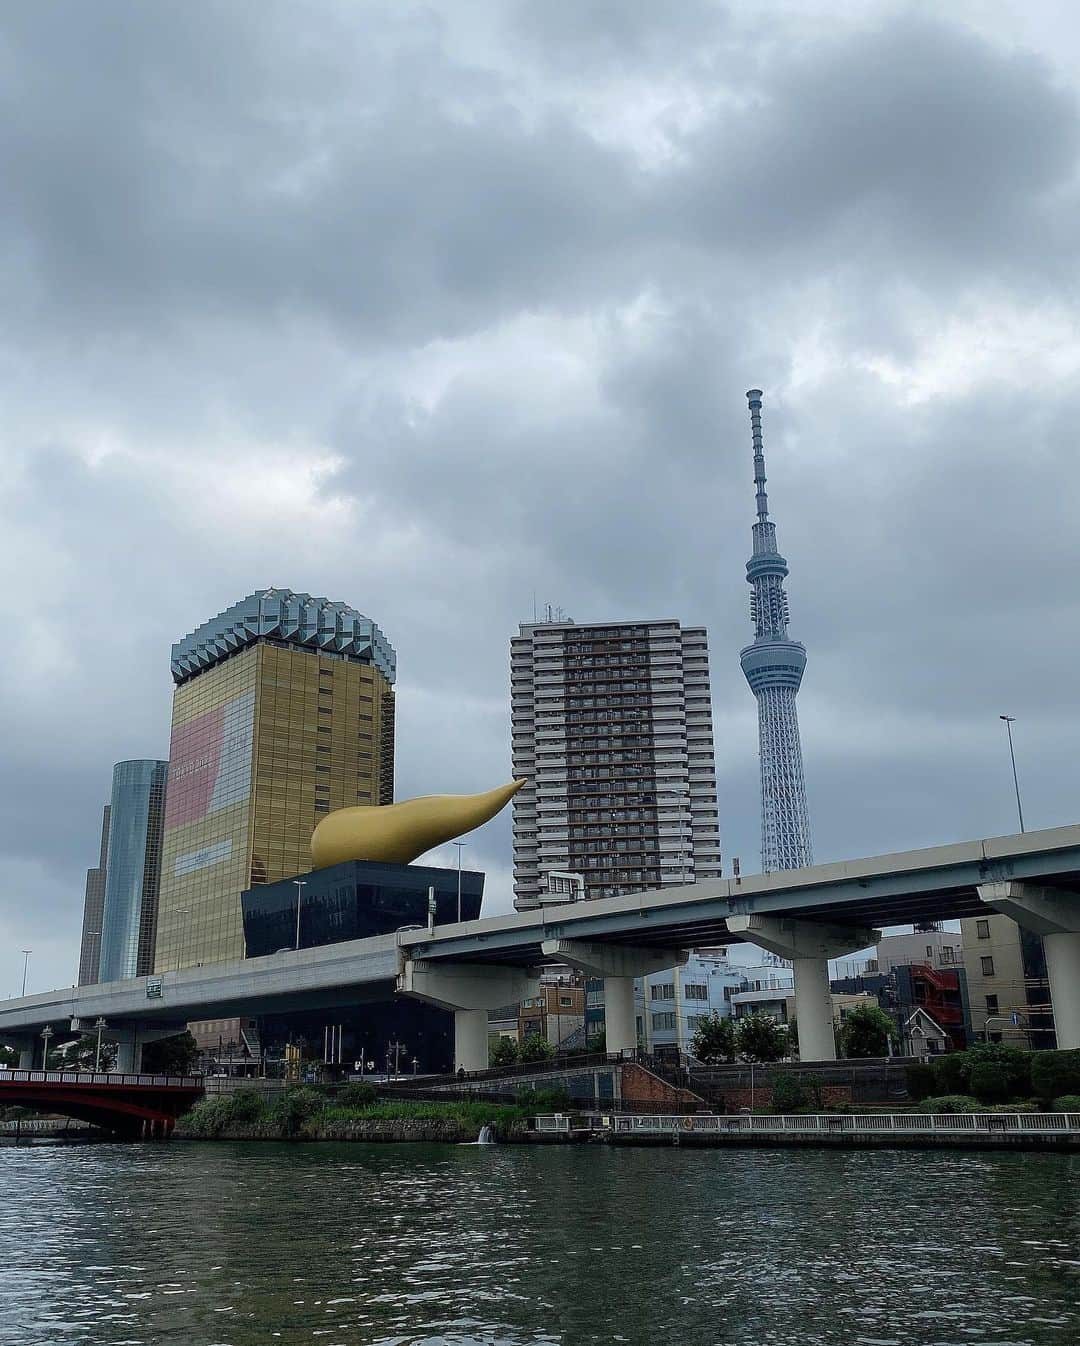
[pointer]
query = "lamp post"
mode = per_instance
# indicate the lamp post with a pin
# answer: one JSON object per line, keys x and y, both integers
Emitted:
{"x": 26, "y": 963}
{"x": 1009, "y": 722}
{"x": 97, "y": 1053}
{"x": 46, "y": 1034}
{"x": 301, "y": 884}
{"x": 460, "y": 846}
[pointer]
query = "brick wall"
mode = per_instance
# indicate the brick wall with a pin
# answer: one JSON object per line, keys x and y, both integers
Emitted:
{"x": 642, "y": 1086}
{"x": 734, "y": 1099}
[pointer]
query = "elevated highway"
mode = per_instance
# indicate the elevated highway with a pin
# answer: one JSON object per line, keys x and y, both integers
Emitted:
{"x": 808, "y": 915}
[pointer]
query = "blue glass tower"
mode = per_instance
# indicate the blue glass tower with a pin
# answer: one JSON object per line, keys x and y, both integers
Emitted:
{"x": 129, "y": 917}
{"x": 773, "y": 666}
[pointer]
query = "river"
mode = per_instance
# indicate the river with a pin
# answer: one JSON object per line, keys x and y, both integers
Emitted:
{"x": 342, "y": 1245}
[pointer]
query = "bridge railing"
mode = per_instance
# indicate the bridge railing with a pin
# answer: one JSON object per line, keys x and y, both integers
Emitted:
{"x": 900, "y": 1123}
{"x": 85, "y": 1077}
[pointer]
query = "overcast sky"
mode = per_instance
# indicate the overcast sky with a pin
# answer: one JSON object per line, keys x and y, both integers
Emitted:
{"x": 434, "y": 308}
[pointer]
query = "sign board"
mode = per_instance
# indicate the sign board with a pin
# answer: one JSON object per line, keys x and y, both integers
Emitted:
{"x": 153, "y": 988}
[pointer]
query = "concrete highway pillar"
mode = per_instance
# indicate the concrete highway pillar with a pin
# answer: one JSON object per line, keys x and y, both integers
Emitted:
{"x": 1054, "y": 914}
{"x": 470, "y": 990}
{"x": 470, "y": 1039}
{"x": 128, "y": 1056}
{"x": 813, "y": 1009}
{"x": 620, "y": 1021}
{"x": 618, "y": 964}
{"x": 1063, "y": 973}
{"x": 809, "y": 946}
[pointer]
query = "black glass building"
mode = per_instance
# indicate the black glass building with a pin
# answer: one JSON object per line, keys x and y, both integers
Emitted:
{"x": 353, "y": 901}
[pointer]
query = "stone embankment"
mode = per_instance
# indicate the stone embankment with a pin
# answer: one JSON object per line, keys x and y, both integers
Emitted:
{"x": 399, "y": 1131}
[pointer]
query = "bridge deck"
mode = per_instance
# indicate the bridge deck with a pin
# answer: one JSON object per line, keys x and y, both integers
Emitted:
{"x": 939, "y": 883}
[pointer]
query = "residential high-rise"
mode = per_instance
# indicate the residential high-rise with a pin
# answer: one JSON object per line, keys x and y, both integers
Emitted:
{"x": 773, "y": 666}
{"x": 283, "y": 710}
{"x": 612, "y": 730}
{"x": 93, "y": 909}
{"x": 133, "y": 868}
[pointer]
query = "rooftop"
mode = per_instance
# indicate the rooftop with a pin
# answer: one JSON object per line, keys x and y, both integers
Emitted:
{"x": 287, "y": 618}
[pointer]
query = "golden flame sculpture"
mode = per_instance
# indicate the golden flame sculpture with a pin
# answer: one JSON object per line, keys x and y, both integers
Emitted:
{"x": 398, "y": 833}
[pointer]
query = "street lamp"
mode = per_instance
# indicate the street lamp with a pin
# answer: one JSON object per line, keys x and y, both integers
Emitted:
{"x": 46, "y": 1034}
{"x": 301, "y": 884}
{"x": 97, "y": 1053}
{"x": 460, "y": 846}
{"x": 26, "y": 962}
{"x": 1001, "y": 1018}
{"x": 1009, "y": 721}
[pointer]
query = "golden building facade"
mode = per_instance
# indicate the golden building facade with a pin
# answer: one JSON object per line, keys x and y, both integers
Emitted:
{"x": 271, "y": 729}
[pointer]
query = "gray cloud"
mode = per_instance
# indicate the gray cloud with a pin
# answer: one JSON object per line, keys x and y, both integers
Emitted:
{"x": 435, "y": 312}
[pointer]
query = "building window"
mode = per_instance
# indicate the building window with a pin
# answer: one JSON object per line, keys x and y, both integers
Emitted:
{"x": 566, "y": 1001}
{"x": 695, "y": 991}
{"x": 663, "y": 1021}
{"x": 991, "y": 1004}
{"x": 982, "y": 929}
{"x": 987, "y": 966}
{"x": 663, "y": 991}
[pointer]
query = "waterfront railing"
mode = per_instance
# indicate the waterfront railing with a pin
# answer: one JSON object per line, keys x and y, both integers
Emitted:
{"x": 901, "y": 1123}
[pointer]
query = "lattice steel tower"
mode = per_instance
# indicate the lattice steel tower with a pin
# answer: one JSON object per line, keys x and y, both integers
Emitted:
{"x": 773, "y": 666}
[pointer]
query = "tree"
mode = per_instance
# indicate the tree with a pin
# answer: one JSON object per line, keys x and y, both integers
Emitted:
{"x": 760, "y": 1038}
{"x": 597, "y": 1042}
{"x": 502, "y": 1051}
{"x": 1056, "y": 1073}
{"x": 534, "y": 1049}
{"x": 171, "y": 1056}
{"x": 714, "y": 1039}
{"x": 865, "y": 1031}
{"x": 9, "y": 1057}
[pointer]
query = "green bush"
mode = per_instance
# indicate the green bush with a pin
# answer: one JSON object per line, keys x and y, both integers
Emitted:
{"x": 211, "y": 1116}
{"x": 1066, "y": 1103}
{"x": 543, "y": 1100}
{"x": 951, "y": 1073}
{"x": 296, "y": 1107}
{"x": 989, "y": 1081}
{"x": 788, "y": 1093}
{"x": 947, "y": 1103}
{"x": 355, "y": 1095}
{"x": 1013, "y": 1063}
{"x": 1055, "y": 1073}
{"x": 247, "y": 1105}
{"x": 920, "y": 1079}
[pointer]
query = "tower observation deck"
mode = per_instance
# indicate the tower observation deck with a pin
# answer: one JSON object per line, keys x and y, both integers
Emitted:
{"x": 773, "y": 666}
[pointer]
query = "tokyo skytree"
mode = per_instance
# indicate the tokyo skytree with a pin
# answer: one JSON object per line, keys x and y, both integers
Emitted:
{"x": 773, "y": 666}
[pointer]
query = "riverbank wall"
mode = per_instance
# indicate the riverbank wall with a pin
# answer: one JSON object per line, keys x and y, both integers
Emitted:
{"x": 398, "y": 1131}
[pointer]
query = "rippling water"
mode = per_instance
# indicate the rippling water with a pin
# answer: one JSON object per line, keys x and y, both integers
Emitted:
{"x": 338, "y": 1245}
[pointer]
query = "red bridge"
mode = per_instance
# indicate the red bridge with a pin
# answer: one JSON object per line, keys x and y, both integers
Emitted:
{"x": 135, "y": 1106}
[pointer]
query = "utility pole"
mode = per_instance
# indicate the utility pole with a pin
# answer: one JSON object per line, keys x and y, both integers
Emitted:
{"x": 301, "y": 884}
{"x": 1010, "y": 720}
{"x": 26, "y": 963}
{"x": 97, "y": 1053}
{"x": 460, "y": 845}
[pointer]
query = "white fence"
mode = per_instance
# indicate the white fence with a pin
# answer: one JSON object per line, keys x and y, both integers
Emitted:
{"x": 899, "y": 1123}
{"x": 97, "y": 1077}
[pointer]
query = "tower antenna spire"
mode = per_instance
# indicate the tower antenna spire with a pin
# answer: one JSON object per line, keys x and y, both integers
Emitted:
{"x": 773, "y": 666}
